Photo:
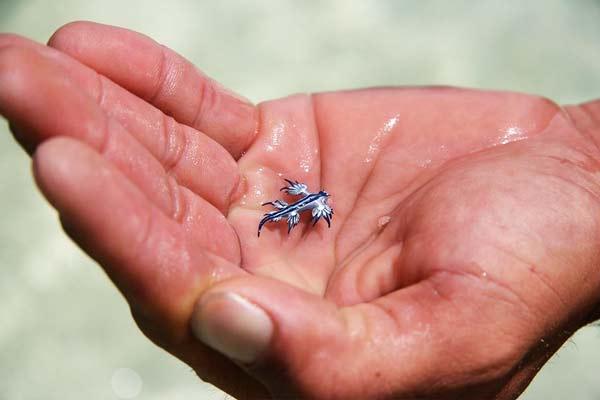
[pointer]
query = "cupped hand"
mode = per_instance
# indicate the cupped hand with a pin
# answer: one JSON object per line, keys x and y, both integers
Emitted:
{"x": 463, "y": 251}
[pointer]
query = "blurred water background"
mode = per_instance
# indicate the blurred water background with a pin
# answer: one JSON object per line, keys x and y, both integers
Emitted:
{"x": 66, "y": 334}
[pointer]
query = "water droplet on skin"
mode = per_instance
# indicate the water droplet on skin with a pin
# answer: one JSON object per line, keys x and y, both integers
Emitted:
{"x": 511, "y": 134}
{"x": 425, "y": 163}
{"x": 484, "y": 274}
{"x": 375, "y": 144}
{"x": 391, "y": 123}
{"x": 307, "y": 153}
{"x": 305, "y": 165}
{"x": 383, "y": 221}
{"x": 275, "y": 137}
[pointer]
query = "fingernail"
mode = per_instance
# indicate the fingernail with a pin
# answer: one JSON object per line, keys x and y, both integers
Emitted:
{"x": 232, "y": 325}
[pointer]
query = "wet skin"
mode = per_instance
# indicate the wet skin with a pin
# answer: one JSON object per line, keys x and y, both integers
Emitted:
{"x": 462, "y": 217}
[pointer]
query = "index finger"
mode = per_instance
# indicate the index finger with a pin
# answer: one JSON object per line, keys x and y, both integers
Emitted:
{"x": 163, "y": 78}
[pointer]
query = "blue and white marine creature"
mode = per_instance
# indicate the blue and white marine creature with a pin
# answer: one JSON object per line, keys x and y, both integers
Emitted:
{"x": 316, "y": 202}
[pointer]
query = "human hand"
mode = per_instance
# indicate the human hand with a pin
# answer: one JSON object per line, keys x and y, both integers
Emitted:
{"x": 463, "y": 251}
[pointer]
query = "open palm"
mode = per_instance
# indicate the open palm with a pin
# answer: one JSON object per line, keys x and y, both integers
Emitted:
{"x": 461, "y": 218}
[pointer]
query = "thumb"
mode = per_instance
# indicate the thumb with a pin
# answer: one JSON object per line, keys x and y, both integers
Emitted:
{"x": 304, "y": 346}
{"x": 266, "y": 326}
